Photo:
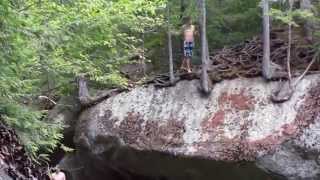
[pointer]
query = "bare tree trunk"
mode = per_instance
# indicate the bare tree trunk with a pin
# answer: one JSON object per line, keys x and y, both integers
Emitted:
{"x": 204, "y": 48}
{"x": 182, "y": 11}
{"x": 266, "y": 64}
{"x": 83, "y": 92}
{"x": 172, "y": 79}
{"x": 142, "y": 60}
{"x": 207, "y": 54}
{"x": 289, "y": 44}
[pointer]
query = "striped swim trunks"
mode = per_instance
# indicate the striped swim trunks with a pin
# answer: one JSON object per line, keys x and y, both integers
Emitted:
{"x": 188, "y": 47}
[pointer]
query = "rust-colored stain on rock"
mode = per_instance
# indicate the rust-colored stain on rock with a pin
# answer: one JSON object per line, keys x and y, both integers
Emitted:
{"x": 166, "y": 135}
{"x": 130, "y": 128}
{"x": 158, "y": 135}
{"x": 154, "y": 134}
{"x": 216, "y": 120}
{"x": 240, "y": 147}
{"x": 227, "y": 104}
{"x": 239, "y": 101}
{"x": 289, "y": 129}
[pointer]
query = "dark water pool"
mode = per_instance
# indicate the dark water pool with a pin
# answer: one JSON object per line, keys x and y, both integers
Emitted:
{"x": 200, "y": 169}
{"x": 173, "y": 168}
{"x": 159, "y": 166}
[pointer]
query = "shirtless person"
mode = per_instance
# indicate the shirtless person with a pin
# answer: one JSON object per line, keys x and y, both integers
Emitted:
{"x": 188, "y": 44}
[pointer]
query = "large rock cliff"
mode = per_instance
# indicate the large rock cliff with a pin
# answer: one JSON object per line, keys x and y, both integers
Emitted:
{"x": 238, "y": 121}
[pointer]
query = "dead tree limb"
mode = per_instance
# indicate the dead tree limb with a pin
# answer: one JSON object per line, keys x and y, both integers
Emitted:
{"x": 84, "y": 97}
{"x": 315, "y": 57}
{"x": 286, "y": 91}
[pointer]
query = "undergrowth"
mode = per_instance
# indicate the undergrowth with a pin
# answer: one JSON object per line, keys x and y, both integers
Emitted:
{"x": 34, "y": 131}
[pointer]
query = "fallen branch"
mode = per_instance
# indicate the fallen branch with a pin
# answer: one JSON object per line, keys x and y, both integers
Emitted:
{"x": 315, "y": 57}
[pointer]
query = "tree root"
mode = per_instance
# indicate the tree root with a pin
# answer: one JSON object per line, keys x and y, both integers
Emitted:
{"x": 163, "y": 80}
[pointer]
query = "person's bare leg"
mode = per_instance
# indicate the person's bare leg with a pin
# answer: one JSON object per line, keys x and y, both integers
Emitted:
{"x": 188, "y": 65}
{"x": 183, "y": 65}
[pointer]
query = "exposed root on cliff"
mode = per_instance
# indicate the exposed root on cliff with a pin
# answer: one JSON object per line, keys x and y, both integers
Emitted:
{"x": 245, "y": 60}
{"x": 163, "y": 80}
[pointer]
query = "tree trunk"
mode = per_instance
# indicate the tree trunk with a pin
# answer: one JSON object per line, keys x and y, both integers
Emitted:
{"x": 142, "y": 61}
{"x": 204, "y": 48}
{"x": 289, "y": 44}
{"x": 182, "y": 10}
{"x": 266, "y": 64}
{"x": 172, "y": 79}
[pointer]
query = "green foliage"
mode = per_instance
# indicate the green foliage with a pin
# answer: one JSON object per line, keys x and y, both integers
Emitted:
{"x": 290, "y": 17}
{"x": 45, "y": 44}
{"x": 36, "y": 133}
{"x": 228, "y": 21}
{"x": 96, "y": 41}
{"x": 19, "y": 78}
{"x": 232, "y": 21}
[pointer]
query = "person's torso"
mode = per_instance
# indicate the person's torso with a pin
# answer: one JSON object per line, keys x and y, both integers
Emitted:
{"x": 189, "y": 33}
